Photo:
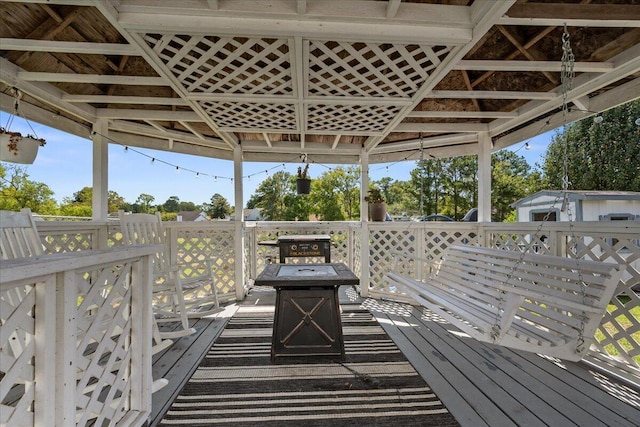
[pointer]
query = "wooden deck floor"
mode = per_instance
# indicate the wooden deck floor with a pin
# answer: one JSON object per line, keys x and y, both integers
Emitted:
{"x": 481, "y": 385}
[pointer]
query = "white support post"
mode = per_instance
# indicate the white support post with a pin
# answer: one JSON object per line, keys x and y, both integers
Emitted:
{"x": 484, "y": 177}
{"x": 141, "y": 329}
{"x": 100, "y": 170}
{"x": 364, "y": 224}
{"x": 65, "y": 350}
{"x": 45, "y": 340}
{"x": 239, "y": 222}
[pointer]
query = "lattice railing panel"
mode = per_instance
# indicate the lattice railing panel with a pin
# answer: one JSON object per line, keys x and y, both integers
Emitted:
{"x": 17, "y": 351}
{"x": 366, "y": 119}
{"x": 68, "y": 242}
{"x": 215, "y": 245}
{"x": 70, "y": 339}
{"x": 104, "y": 339}
{"x": 370, "y": 69}
{"x": 226, "y": 65}
{"x": 619, "y": 332}
{"x": 252, "y": 115}
{"x": 523, "y": 241}
{"x": 383, "y": 243}
{"x": 436, "y": 240}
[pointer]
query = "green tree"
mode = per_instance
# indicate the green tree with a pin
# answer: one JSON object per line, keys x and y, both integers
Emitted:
{"x": 427, "y": 186}
{"x": 84, "y": 198}
{"x": 172, "y": 204}
{"x": 510, "y": 181}
{"x": 270, "y": 196}
{"x": 218, "y": 208}
{"x": 18, "y": 191}
{"x": 144, "y": 203}
{"x": 600, "y": 154}
{"x": 188, "y": 206}
{"x": 329, "y": 193}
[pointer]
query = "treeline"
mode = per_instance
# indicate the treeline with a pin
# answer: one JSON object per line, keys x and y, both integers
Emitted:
{"x": 592, "y": 154}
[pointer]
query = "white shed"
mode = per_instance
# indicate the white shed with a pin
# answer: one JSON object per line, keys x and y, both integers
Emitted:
{"x": 584, "y": 205}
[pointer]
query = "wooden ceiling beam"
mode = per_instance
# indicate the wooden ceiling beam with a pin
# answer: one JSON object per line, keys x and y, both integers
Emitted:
{"x": 594, "y": 14}
{"x": 86, "y": 48}
{"x": 536, "y": 66}
{"x": 92, "y": 78}
{"x": 353, "y": 20}
{"x": 489, "y": 94}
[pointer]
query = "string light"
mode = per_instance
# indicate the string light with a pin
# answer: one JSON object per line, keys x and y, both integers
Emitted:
{"x": 526, "y": 146}
{"x": 155, "y": 160}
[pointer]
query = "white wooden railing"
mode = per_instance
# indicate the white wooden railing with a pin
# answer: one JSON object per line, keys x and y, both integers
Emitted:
{"x": 617, "y": 340}
{"x": 75, "y": 338}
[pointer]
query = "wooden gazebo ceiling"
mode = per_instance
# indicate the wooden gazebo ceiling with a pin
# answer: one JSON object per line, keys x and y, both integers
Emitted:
{"x": 326, "y": 78}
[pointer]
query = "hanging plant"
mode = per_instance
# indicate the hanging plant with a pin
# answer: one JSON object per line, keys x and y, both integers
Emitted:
{"x": 377, "y": 205}
{"x": 17, "y": 148}
{"x": 303, "y": 183}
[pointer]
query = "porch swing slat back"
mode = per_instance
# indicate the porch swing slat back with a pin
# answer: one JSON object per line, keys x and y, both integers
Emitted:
{"x": 540, "y": 303}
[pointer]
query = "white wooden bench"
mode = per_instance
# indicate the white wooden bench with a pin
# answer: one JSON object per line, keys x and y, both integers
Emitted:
{"x": 544, "y": 304}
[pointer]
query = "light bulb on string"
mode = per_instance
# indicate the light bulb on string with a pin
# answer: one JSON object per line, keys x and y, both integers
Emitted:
{"x": 177, "y": 169}
{"x": 197, "y": 175}
{"x": 215, "y": 179}
{"x": 153, "y": 160}
{"x": 126, "y": 149}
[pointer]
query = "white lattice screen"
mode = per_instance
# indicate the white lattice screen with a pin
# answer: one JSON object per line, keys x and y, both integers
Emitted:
{"x": 17, "y": 341}
{"x": 70, "y": 340}
{"x": 103, "y": 346}
{"x": 310, "y": 84}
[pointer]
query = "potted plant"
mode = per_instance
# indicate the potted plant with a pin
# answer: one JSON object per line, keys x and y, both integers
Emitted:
{"x": 303, "y": 183}
{"x": 377, "y": 205}
{"x": 17, "y": 148}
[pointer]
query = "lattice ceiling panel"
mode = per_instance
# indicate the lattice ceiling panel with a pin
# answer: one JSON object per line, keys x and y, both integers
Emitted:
{"x": 367, "y": 119}
{"x": 370, "y": 70}
{"x": 246, "y": 115}
{"x": 226, "y": 65}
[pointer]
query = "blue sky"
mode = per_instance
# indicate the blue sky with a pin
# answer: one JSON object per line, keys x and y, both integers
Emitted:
{"x": 65, "y": 165}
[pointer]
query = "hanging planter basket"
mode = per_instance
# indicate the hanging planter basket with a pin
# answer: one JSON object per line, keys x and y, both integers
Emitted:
{"x": 16, "y": 148}
{"x": 303, "y": 185}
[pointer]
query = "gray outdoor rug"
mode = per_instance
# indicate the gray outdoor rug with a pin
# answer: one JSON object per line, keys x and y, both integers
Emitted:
{"x": 237, "y": 385}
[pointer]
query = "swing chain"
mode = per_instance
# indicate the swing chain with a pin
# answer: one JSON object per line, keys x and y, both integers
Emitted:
{"x": 421, "y": 175}
{"x": 567, "y": 76}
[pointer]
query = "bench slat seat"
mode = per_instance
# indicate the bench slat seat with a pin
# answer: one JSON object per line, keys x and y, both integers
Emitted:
{"x": 530, "y": 302}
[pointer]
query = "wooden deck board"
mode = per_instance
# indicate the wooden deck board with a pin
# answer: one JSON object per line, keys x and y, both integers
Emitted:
{"x": 180, "y": 360}
{"x": 481, "y": 384}
{"x": 493, "y": 380}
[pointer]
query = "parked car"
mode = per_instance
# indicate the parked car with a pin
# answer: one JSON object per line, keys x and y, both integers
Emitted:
{"x": 471, "y": 216}
{"x": 435, "y": 217}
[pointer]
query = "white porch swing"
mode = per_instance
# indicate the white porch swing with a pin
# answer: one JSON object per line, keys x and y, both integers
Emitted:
{"x": 544, "y": 304}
